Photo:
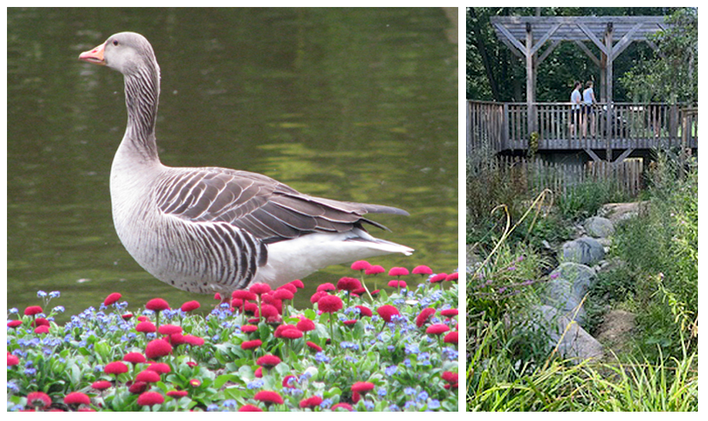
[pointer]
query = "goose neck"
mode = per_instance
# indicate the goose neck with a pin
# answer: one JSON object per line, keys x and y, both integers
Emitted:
{"x": 142, "y": 92}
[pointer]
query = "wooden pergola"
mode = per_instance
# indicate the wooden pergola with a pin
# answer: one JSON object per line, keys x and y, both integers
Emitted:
{"x": 526, "y": 36}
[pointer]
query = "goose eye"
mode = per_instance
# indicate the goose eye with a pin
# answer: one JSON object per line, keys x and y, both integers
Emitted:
{"x": 115, "y": 42}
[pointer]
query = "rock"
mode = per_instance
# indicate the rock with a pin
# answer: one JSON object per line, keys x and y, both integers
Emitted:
{"x": 599, "y": 227}
{"x": 585, "y": 250}
{"x": 616, "y": 212}
{"x": 567, "y": 286}
{"x": 573, "y": 341}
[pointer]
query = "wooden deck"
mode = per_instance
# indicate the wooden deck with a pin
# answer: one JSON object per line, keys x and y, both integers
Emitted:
{"x": 609, "y": 127}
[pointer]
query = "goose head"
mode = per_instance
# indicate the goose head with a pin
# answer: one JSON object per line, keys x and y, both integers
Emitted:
{"x": 126, "y": 52}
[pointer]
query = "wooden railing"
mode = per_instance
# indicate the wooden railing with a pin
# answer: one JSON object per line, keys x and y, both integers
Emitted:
{"x": 505, "y": 126}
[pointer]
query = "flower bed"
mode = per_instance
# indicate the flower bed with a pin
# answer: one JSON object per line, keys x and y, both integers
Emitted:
{"x": 392, "y": 350}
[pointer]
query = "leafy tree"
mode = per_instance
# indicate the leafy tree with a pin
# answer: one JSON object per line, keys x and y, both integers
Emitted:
{"x": 671, "y": 75}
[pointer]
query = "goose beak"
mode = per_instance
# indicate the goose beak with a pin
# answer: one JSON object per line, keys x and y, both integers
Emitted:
{"x": 94, "y": 56}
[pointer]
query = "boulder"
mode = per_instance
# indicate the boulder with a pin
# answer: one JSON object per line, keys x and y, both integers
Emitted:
{"x": 567, "y": 286}
{"x": 584, "y": 250}
{"x": 599, "y": 227}
{"x": 572, "y": 340}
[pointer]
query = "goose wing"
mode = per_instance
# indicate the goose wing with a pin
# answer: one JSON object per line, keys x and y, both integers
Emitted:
{"x": 269, "y": 210}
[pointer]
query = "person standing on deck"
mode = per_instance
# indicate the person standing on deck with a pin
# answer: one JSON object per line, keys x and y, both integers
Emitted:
{"x": 575, "y": 98}
{"x": 588, "y": 110}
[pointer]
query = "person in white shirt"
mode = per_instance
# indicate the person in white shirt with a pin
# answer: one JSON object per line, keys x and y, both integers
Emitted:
{"x": 575, "y": 110}
{"x": 588, "y": 110}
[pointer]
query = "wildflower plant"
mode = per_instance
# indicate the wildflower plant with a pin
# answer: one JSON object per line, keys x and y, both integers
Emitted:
{"x": 339, "y": 355}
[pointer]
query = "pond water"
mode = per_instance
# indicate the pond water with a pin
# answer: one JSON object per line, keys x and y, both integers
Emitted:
{"x": 349, "y": 104}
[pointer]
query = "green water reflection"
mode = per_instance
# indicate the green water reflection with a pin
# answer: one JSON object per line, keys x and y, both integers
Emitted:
{"x": 351, "y": 104}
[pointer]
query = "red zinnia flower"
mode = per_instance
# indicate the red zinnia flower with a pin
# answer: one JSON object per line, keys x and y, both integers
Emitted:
{"x": 374, "y": 270}
{"x": 438, "y": 278}
{"x": 138, "y": 388}
{"x": 283, "y": 294}
{"x": 397, "y": 271}
{"x": 157, "y": 304}
{"x": 160, "y": 368}
{"x": 112, "y": 298}
{"x": 41, "y": 329}
{"x": 452, "y": 277}
{"x": 437, "y": 329}
{"x": 249, "y": 328}
{"x": 314, "y": 346}
{"x": 127, "y": 316}
{"x": 150, "y": 399}
{"x": 286, "y": 381}
{"x": 258, "y": 373}
{"x": 424, "y": 316}
{"x": 77, "y": 398}
{"x": 290, "y": 287}
{"x": 361, "y": 265}
{"x": 422, "y": 270}
{"x": 312, "y": 402}
{"x": 249, "y": 408}
{"x": 305, "y": 325}
{"x": 291, "y": 334}
{"x": 190, "y": 306}
{"x": 450, "y": 376}
{"x": 451, "y": 338}
{"x": 146, "y": 327}
{"x": 450, "y": 312}
{"x": 32, "y": 310}
{"x": 134, "y": 357}
{"x": 14, "y": 323}
{"x": 269, "y": 312}
{"x": 12, "y": 360}
{"x": 148, "y": 376}
{"x": 268, "y": 361}
{"x": 282, "y": 328}
{"x": 259, "y": 289}
{"x": 317, "y": 295}
{"x": 397, "y": 284}
{"x": 169, "y": 329}
{"x": 330, "y": 304}
{"x": 364, "y": 311}
{"x": 244, "y": 295}
{"x": 251, "y": 344}
{"x": 342, "y": 405}
{"x": 268, "y": 397}
{"x": 298, "y": 283}
{"x": 350, "y": 323}
{"x": 101, "y": 384}
{"x": 157, "y": 348}
{"x": 362, "y": 387}
{"x": 40, "y": 321}
{"x": 193, "y": 340}
{"x": 38, "y": 400}
{"x": 116, "y": 367}
{"x": 176, "y": 394}
{"x": 348, "y": 284}
{"x": 387, "y": 311}
{"x": 326, "y": 287}
{"x": 143, "y": 319}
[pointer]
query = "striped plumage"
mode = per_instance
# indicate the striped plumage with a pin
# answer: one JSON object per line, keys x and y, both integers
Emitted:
{"x": 217, "y": 229}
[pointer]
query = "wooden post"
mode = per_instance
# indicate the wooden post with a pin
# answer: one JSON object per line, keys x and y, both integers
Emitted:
{"x": 608, "y": 92}
{"x": 530, "y": 80}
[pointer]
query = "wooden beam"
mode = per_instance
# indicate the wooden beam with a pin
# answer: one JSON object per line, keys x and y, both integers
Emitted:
{"x": 545, "y": 38}
{"x": 511, "y": 38}
{"x": 592, "y": 37}
{"x": 588, "y": 52}
{"x": 592, "y": 154}
{"x": 624, "y": 42}
{"x": 547, "y": 51}
{"x": 623, "y": 156}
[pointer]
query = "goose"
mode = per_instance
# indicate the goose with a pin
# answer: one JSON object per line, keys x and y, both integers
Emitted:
{"x": 211, "y": 229}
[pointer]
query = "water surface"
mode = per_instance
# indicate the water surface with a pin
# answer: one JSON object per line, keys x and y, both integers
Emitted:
{"x": 350, "y": 104}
